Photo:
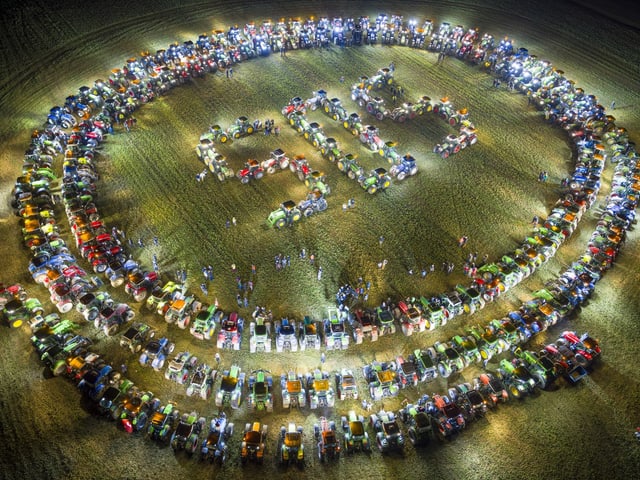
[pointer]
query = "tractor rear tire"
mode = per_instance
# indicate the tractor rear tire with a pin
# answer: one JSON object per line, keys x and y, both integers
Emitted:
{"x": 372, "y": 189}
{"x": 351, "y": 174}
{"x": 401, "y": 176}
{"x": 281, "y": 222}
{"x": 296, "y": 216}
{"x": 308, "y": 212}
{"x": 221, "y": 176}
{"x": 236, "y": 135}
{"x": 271, "y": 170}
{"x": 380, "y": 116}
{"x": 249, "y": 130}
{"x": 341, "y": 166}
{"x": 244, "y": 180}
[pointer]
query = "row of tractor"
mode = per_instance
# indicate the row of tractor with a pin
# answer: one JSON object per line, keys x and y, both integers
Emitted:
{"x": 402, "y": 166}
{"x": 436, "y": 416}
{"x": 376, "y": 180}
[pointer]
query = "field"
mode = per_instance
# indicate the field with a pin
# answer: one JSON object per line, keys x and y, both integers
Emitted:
{"x": 489, "y": 192}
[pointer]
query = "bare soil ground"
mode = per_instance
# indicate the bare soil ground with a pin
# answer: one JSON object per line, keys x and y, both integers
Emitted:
{"x": 488, "y": 192}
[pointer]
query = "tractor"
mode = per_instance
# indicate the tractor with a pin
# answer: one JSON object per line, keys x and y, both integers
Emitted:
{"x": 296, "y": 104}
{"x": 329, "y": 149}
{"x": 335, "y": 110}
{"x": 300, "y": 166}
{"x": 217, "y": 164}
{"x": 388, "y": 151}
{"x": 277, "y": 161}
{"x": 376, "y": 180}
{"x": 252, "y": 169}
{"x": 350, "y": 166}
{"x": 375, "y": 106}
{"x": 315, "y": 202}
{"x": 298, "y": 121}
{"x": 315, "y": 135}
{"x": 327, "y": 438}
{"x": 287, "y": 214}
{"x": 406, "y": 167}
{"x": 240, "y": 128}
{"x": 353, "y": 123}
{"x": 215, "y": 134}
{"x": 370, "y": 136}
{"x": 260, "y": 390}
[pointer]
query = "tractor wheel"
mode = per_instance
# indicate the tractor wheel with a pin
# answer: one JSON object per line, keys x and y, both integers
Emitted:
{"x": 315, "y": 143}
{"x": 351, "y": 174}
{"x": 453, "y": 121}
{"x": 369, "y": 108}
{"x": 354, "y": 132}
{"x": 386, "y": 184}
{"x": 401, "y": 176}
{"x": 17, "y": 323}
{"x": 284, "y": 164}
{"x": 291, "y": 122}
{"x": 308, "y": 212}
{"x": 271, "y": 170}
{"x": 401, "y": 118}
{"x": 140, "y": 296}
{"x": 236, "y": 135}
{"x": 380, "y": 116}
{"x": 323, "y": 150}
{"x": 372, "y": 189}
{"x": 361, "y": 103}
{"x": 281, "y": 222}
{"x": 380, "y": 152}
{"x": 221, "y": 176}
{"x": 326, "y": 108}
{"x": 456, "y": 149}
{"x": 332, "y": 158}
{"x": 110, "y": 330}
{"x": 259, "y": 175}
{"x": 296, "y": 216}
{"x": 513, "y": 390}
{"x": 249, "y": 130}
{"x": 445, "y": 154}
{"x": 244, "y": 180}
{"x": 341, "y": 166}
{"x": 334, "y": 117}
{"x": 306, "y": 135}
{"x": 59, "y": 368}
{"x": 346, "y": 125}
{"x": 301, "y": 176}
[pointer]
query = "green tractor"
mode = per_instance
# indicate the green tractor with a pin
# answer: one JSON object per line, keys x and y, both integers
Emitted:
{"x": 329, "y": 149}
{"x": 349, "y": 166}
{"x": 216, "y": 134}
{"x": 287, "y": 214}
{"x": 316, "y": 181}
{"x": 335, "y": 110}
{"x": 240, "y": 128}
{"x": 388, "y": 151}
{"x": 298, "y": 121}
{"x": 315, "y": 135}
{"x": 353, "y": 123}
{"x": 376, "y": 180}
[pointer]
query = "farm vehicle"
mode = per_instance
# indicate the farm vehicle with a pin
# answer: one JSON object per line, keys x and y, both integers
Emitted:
{"x": 418, "y": 423}
{"x": 139, "y": 283}
{"x": 16, "y": 311}
{"x": 370, "y": 136}
{"x": 241, "y": 127}
{"x": 180, "y": 310}
{"x": 407, "y": 167}
{"x": 410, "y": 317}
{"x": 407, "y": 372}
{"x": 111, "y": 317}
{"x": 162, "y": 422}
{"x": 517, "y": 377}
{"x": 329, "y": 149}
{"x": 356, "y": 438}
{"x": 254, "y": 442}
{"x": 286, "y": 215}
{"x": 260, "y": 334}
{"x": 277, "y": 161}
{"x": 300, "y": 166}
{"x": 364, "y": 324}
{"x": 447, "y": 415}
{"x": 327, "y": 438}
{"x": 290, "y": 446}
{"x": 215, "y": 134}
{"x": 382, "y": 79}
{"x": 315, "y": 135}
{"x": 217, "y": 164}
{"x": 335, "y": 333}
{"x": 214, "y": 447}
{"x": 453, "y": 144}
{"x": 260, "y": 390}
{"x": 286, "y": 335}
{"x": 389, "y": 437}
{"x": 346, "y": 385}
{"x": 382, "y": 379}
{"x": 135, "y": 336}
{"x": 180, "y": 367}
{"x": 293, "y": 391}
{"x": 315, "y": 202}
{"x": 135, "y": 410}
{"x": 317, "y": 101}
{"x": 375, "y": 106}
{"x": 446, "y": 111}
{"x": 187, "y": 432}
{"x": 385, "y": 320}
{"x": 156, "y": 353}
{"x": 296, "y": 104}
{"x": 360, "y": 91}
{"x": 231, "y": 386}
{"x": 161, "y": 296}
{"x": 89, "y": 304}
{"x": 204, "y": 322}
{"x": 426, "y": 368}
{"x": 230, "y": 335}
{"x": 309, "y": 334}
{"x": 319, "y": 390}
{"x": 251, "y": 170}
{"x": 350, "y": 166}
{"x": 354, "y": 124}
{"x": 335, "y": 110}
{"x": 200, "y": 382}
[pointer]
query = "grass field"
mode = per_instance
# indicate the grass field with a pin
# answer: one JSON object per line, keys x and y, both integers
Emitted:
{"x": 489, "y": 192}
